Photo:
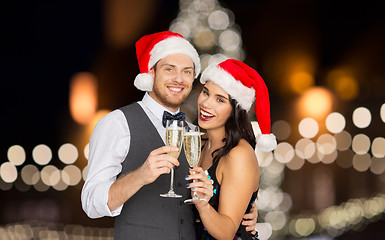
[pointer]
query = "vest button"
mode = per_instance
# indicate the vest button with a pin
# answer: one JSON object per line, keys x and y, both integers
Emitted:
{"x": 181, "y": 221}
{"x": 179, "y": 184}
{"x": 180, "y": 203}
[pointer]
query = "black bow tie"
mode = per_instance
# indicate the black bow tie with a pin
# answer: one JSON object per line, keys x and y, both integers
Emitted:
{"x": 169, "y": 116}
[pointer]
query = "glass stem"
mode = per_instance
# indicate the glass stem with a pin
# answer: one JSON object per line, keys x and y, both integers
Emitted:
{"x": 172, "y": 180}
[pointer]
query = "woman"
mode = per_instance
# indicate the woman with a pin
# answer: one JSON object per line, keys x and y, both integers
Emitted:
{"x": 228, "y": 147}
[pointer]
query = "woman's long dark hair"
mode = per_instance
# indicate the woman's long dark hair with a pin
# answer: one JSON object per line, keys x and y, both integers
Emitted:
{"x": 238, "y": 126}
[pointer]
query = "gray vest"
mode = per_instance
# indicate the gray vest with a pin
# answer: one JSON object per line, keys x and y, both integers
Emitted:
{"x": 146, "y": 215}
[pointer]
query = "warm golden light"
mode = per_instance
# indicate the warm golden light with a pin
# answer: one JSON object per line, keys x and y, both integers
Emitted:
{"x": 125, "y": 20}
{"x": 83, "y": 97}
{"x": 344, "y": 84}
{"x": 301, "y": 81}
{"x": 316, "y": 102}
{"x": 346, "y": 88}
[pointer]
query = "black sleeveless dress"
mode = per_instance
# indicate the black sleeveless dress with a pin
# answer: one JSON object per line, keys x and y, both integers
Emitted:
{"x": 241, "y": 233}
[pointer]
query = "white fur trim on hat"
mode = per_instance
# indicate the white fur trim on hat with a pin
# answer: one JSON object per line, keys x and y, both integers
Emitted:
{"x": 245, "y": 96}
{"x": 144, "y": 82}
{"x": 266, "y": 142}
{"x": 174, "y": 45}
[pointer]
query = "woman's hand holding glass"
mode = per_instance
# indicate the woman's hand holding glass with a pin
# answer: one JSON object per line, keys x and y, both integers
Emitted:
{"x": 201, "y": 185}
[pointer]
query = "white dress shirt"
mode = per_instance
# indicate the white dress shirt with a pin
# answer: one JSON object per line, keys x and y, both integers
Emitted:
{"x": 109, "y": 146}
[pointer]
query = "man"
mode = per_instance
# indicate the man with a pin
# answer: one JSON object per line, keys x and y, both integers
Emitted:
{"x": 128, "y": 164}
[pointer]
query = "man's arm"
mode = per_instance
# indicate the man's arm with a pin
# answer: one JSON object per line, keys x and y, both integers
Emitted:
{"x": 104, "y": 195}
{"x": 157, "y": 163}
{"x": 108, "y": 147}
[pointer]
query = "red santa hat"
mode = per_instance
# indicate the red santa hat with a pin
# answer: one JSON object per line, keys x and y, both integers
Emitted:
{"x": 245, "y": 85}
{"x": 151, "y": 48}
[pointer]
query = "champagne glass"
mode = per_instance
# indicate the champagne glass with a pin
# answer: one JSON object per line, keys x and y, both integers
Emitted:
{"x": 192, "y": 149}
{"x": 174, "y": 137}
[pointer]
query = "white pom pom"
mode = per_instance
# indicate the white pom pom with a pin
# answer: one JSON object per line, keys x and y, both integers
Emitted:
{"x": 266, "y": 142}
{"x": 144, "y": 82}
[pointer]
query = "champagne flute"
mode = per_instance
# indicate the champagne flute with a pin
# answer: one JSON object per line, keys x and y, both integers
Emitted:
{"x": 192, "y": 149}
{"x": 174, "y": 137}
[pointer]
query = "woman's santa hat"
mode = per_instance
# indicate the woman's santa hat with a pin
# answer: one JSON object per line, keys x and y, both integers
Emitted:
{"x": 245, "y": 85}
{"x": 151, "y": 48}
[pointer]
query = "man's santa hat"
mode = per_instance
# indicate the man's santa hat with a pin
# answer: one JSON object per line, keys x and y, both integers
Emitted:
{"x": 245, "y": 85}
{"x": 151, "y": 48}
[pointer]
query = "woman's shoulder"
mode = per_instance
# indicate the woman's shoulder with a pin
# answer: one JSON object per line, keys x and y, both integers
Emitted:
{"x": 243, "y": 148}
{"x": 243, "y": 152}
{"x": 241, "y": 159}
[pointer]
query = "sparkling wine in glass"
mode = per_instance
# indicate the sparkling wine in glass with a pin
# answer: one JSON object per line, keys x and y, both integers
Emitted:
{"x": 174, "y": 137}
{"x": 192, "y": 149}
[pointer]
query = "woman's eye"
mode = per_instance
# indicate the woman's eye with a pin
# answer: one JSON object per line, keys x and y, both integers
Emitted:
{"x": 204, "y": 92}
{"x": 220, "y": 100}
{"x": 168, "y": 69}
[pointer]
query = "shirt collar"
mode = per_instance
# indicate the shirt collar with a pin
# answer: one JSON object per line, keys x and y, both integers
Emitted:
{"x": 154, "y": 107}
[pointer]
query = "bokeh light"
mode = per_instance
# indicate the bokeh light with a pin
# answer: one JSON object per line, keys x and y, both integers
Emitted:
{"x": 326, "y": 144}
{"x": 87, "y": 151}
{"x": 343, "y": 83}
{"x": 361, "y": 162}
{"x": 377, "y": 165}
{"x": 84, "y": 173}
{"x": 361, "y": 144}
{"x": 71, "y": 175}
{"x": 329, "y": 158}
{"x": 42, "y": 154}
{"x": 277, "y": 219}
{"x": 204, "y": 38}
{"x": 362, "y": 117}
{"x": 83, "y": 97}
{"x": 60, "y": 185}
{"x": 229, "y": 40}
{"x": 181, "y": 28}
{"x": 30, "y": 174}
{"x": 316, "y": 102}
{"x": 378, "y": 147}
{"x": 16, "y": 155}
{"x": 281, "y": 129}
{"x": 68, "y": 153}
{"x": 284, "y": 152}
{"x": 301, "y": 81}
{"x": 50, "y": 175}
{"x": 335, "y": 122}
{"x": 20, "y": 185}
{"x": 304, "y": 226}
{"x": 218, "y": 20}
{"x": 296, "y": 163}
{"x": 41, "y": 186}
{"x": 305, "y": 148}
{"x": 8, "y": 172}
{"x": 316, "y": 158}
{"x": 344, "y": 140}
{"x": 5, "y": 186}
{"x": 308, "y": 127}
{"x": 382, "y": 112}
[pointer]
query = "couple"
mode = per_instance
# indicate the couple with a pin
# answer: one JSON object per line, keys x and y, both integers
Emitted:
{"x": 128, "y": 164}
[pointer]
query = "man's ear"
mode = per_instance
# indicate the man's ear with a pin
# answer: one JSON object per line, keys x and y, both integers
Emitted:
{"x": 152, "y": 72}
